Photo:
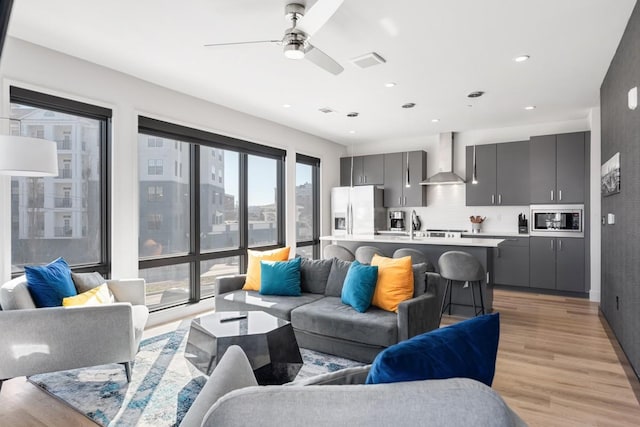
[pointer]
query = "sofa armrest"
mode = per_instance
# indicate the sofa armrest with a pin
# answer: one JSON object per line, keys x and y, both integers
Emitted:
{"x": 60, "y": 338}
{"x": 128, "y": 290}
{"x": 418, "y": 315}
{"x": 226, "y": 284}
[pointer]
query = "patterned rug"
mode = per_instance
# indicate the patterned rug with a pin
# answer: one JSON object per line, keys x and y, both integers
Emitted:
{"x": 163, "y": 384}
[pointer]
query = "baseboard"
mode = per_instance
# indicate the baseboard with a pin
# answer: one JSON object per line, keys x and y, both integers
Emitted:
{"x": 594, "y": 295}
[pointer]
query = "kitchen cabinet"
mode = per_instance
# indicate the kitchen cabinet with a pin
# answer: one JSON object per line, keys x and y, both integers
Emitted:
{"x": 503, "y": 174}
{"x": 511, "y": 262}
{"x": 367, "y": 170}
{"x": 396, "y": 192}
{"x": 557, "y": 263}
{"x": 557, "y": 165}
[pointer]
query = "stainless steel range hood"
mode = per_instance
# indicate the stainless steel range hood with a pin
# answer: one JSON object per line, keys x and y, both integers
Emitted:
{"x": 445, "y": 174}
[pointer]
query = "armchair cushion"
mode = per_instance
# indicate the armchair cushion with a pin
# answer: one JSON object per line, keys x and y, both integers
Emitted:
{"x": 96, "y": 296}
{"x": 87, "y": 281}
{"x": 50, "y": 283}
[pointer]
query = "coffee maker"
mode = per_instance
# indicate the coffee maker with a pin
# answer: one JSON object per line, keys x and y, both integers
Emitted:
{"x": 396, "y": 221}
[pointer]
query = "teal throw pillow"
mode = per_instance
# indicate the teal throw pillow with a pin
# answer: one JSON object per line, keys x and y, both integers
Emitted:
{"x": 49, "y": 284}
{"x": 359, "y": 286}
{"x": 280, "y": 277}
{"x": 467, "y": 349}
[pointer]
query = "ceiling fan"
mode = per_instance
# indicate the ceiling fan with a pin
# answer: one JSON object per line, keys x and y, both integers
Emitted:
{"x": 295, "y": 41}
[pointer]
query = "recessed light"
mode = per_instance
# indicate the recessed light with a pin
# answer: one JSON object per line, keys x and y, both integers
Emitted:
{"x": 390, "y": 84}
{"x": 435, "y": 120}
{"x": 352, "y": 132}
{"x": 286, "y": 105}
{"x": 521, "y": 58}
{"x": 475, "y": 94}
{"x": 409, "y": 105}
{"x": 530, "y": 107}
{"x": 352, "y": 114}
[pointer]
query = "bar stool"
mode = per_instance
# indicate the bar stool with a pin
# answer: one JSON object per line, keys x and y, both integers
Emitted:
{"x": 417, "y": 257}
{"x": 364, "y": 254}
{"x": 337, "y": 251}
{"x": 461, "y": 267}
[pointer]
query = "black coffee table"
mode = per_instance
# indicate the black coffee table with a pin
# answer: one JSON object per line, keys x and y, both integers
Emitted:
{"x": 269, "y": 343}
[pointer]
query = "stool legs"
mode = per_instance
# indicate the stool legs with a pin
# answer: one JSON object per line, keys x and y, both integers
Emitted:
{"x": 444, "y": 299}
{"x": 473, "y": 298}
{"x": 481, "y": 299}
{"x": 448, "y": 291}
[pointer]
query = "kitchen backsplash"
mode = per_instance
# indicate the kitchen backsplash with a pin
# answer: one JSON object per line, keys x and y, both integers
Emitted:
{"x": 446, "y": 210}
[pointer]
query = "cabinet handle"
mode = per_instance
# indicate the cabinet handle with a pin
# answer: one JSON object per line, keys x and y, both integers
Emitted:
{"x": 559, "y": 194}
{"x": 365, "y": 179}
{"x": 405, "y": 200}
{"x": 400, "y": 201}
{"x": 551, "y": 194}
{"x": 551, "y": 244}
{"x": 499, "y": 199}
{"x": 559, "y": 244}
{"x": 493, "y": 199}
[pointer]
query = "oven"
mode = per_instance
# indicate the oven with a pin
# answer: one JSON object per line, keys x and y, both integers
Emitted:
{"x": 557, "y": 220}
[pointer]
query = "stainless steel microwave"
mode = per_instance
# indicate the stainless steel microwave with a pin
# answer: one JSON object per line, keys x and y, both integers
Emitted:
{"x": 557, "y": 220}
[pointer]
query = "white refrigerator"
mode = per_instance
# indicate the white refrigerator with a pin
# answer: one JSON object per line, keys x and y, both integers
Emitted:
{"x": 357, "y": 210}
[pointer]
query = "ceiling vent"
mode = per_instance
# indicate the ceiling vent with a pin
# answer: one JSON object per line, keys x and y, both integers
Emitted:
{"x": 368, "y": 60}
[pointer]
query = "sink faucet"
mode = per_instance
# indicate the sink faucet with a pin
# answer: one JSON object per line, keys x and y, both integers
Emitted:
{"x": 411, "y": 230}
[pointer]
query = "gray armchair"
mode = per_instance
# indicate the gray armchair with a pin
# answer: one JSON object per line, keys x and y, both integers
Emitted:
{"x": 38, "y": 340}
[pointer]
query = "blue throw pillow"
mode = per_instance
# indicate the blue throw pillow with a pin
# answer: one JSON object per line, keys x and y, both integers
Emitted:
{"x": 49, "y": 284}
{"x": 280, "y": 277}
{"x": 464, "y": 350}
{"x": 359, "y": 285}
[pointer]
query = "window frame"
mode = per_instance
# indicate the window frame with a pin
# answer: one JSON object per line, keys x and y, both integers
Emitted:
{"x": 196, "y": 255}
{"x": 18, "y": 95}
{"x": 314, "y": 162}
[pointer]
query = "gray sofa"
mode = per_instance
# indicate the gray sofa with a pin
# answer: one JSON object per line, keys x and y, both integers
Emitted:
{"x": 322, "y": 322}
{"x": 231, "y": 397}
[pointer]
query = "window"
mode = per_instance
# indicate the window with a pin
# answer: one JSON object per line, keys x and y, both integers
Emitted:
{"x": 155, "y": 167}
{"x": 154, "y": 143}
{"x": 307, "y": 206}
{"x": 155, "y": 193}
{"x": 64, "y": 215}
{"x": 202, "y": 229}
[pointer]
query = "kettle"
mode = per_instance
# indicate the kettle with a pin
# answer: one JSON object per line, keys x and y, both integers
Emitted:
{"x": 415, "y": 221}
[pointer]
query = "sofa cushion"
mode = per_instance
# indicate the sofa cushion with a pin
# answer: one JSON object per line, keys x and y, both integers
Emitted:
{"x": 96, "y": 296}
{"x": 337, "y": 274}
{"x": 278, "y": 306}
{"x": 280, "y": 277}
{"x": 467, "y": 349}
{"x": 395, "y": 282}
{"x": 314, "y": 274}
{"x": 49, "y": 284}
{"x": 330, "y": 317}
{"x": 419, "y": 279}
{"x": 87, "y": 281}
{"x": 359, "y": 286}
{"x": 252, "y": 280}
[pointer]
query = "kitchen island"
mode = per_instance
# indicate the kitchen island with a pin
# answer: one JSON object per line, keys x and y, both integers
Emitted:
{"x": 433, "y": 247}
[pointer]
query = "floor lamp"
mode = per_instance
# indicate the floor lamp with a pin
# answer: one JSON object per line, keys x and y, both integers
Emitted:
{"x": 25, "y": 156}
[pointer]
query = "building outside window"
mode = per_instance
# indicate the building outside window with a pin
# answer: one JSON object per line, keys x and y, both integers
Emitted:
{"x": 155, "y": 167}
{"x": 307, "y": 206}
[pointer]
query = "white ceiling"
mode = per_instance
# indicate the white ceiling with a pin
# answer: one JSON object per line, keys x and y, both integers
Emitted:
{"x": 437, "y": 51}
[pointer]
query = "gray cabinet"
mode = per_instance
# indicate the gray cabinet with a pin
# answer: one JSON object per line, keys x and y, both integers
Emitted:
{"x": 367, "y": 170}
{"x": 511, "y": 262}
{"x": 396, "y": 178}
{"x": 557, "y": 263}
{"x": 503, "y": 174}
{"x": 557, "y": 164}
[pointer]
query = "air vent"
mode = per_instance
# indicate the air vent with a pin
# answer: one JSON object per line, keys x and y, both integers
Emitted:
{"x": 353, "y": 114}
{"x": 368, "y": 60}
{"x": 326, "y": 110}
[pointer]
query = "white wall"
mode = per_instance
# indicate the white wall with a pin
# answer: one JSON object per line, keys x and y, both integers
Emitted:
{"x": 37, "y": 68}
{"x": 596, "y": 204}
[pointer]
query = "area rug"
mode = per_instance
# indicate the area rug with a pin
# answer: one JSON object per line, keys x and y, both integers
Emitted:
{"x": 163, "y": 384}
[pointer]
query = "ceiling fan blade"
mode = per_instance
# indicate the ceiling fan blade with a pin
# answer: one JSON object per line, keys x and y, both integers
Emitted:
{"x": 318, "y": 15}
{"x": 322, "y": 60}
{"x": 238, "y": 43}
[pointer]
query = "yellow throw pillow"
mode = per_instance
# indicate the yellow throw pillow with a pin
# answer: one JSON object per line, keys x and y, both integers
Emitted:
{"x": 395, "y": 282}
{"x": 252, "y": 282}
{"x": 96, "y": 296}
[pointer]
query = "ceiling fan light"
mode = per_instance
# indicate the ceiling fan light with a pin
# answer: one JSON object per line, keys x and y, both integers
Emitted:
{"x": 294, "y": 51}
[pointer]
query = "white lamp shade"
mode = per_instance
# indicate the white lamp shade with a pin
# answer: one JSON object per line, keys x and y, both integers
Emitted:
{"x": 24, "y": 156}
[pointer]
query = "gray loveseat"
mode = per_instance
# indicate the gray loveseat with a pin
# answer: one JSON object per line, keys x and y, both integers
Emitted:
{"x": 322, "y": 322}
{"x": 231, "y": 397}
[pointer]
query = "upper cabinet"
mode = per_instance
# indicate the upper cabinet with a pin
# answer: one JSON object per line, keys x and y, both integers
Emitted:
{"x": 558, "y": 168}
{"x": 403, "y": 173}
{"x": 502, "y": 172}
{"x": 367, "y": 170}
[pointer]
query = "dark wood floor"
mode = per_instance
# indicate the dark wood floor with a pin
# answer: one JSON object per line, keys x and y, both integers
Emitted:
{"x": 557, "y": 366}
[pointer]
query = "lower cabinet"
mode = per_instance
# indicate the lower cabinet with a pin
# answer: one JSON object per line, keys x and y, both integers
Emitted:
{"x": 511, "y": 262}
{"x": 557, "y": 263}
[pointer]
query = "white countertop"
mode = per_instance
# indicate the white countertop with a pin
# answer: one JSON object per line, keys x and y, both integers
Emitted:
{"x": 496, "y": 233}
{"x": 463, "y": 241}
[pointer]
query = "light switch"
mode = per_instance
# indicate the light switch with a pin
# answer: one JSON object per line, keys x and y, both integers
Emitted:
{"x": 611, "y": 218}
{"x": 633, "y": 98}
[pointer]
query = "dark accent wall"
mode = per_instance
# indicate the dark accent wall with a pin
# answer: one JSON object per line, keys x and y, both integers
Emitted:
{"x": 620, "y": 298}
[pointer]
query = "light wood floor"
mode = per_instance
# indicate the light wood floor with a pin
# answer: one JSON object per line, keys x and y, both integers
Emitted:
{"x": 558, "y": 365}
